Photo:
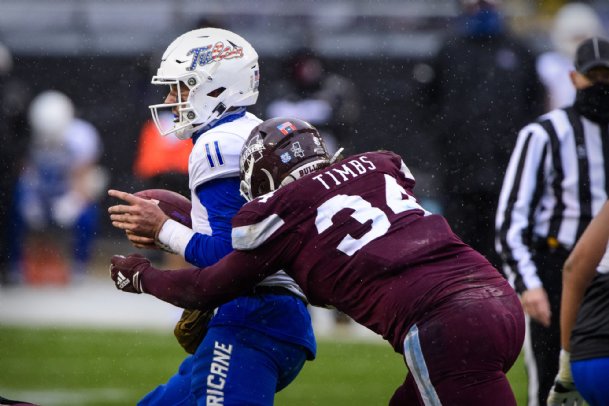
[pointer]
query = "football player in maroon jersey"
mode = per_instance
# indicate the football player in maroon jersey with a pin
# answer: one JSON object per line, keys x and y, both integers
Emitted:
{"x": 353, "y": 236}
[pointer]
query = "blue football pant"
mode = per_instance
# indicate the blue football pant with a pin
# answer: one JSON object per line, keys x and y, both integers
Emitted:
{"x": 591, "y": 377}
{"x": 232, "y": 366}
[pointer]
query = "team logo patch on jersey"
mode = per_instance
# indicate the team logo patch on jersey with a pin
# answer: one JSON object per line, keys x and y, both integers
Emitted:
{"x": 286, "y": 157}
{"x": 286, "y": 128}
{"x": 213, "y": 53}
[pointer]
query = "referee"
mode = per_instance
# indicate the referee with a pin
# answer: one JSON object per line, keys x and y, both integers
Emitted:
{"x": 556, "y": 181}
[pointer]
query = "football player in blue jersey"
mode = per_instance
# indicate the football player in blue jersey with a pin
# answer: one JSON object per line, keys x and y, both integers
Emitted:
{"x": 256, "y": 344}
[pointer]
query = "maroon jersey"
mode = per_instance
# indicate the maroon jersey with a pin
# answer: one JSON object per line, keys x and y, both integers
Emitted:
{"x": 353, "y": 237}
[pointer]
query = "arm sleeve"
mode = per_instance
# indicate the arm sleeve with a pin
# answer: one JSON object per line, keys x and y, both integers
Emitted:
{"x": 520, "y": 195}
{"x": 231, "y": 277}
{"x": 221, "y": 200}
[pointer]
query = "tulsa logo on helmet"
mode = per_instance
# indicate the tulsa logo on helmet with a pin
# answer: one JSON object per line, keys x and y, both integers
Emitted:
{"x": 203, "y": 55}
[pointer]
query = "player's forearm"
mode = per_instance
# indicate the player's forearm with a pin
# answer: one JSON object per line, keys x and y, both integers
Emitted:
{"x": 204, "y": 250}
{"x": 570, "y": 302}
{"x": 206, "y": 288}
{"x": 577, "y": 276}
{"x": 185, "y": 288}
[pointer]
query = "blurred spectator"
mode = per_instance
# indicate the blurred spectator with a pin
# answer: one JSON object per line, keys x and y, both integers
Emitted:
{"x": 325, "y": 99}
{"x": 161, "y": 162}
{"x": 57, "y": 191}
{"x": 14, "y": 98}
{"x": 573, "y": 23}
{"x": 484, "y": 88}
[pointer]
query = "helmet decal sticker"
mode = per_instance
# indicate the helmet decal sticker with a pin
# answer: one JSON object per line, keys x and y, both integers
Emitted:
{"x": 286, "y": 157}
{"x": 297, "y": 150}
{"x": 286, "y": 128}
{"x": 213, "y": 53}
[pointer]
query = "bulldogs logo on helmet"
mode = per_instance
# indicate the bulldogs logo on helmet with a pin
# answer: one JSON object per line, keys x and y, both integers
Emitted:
{"x": 219, "y": 68}
{"x": 277, "y": 152}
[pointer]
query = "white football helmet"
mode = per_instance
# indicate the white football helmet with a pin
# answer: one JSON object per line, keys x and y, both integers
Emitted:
{"x": 574, "y": 23}
{"x": 219, "y": 68}
{"x": 49, "y": 115}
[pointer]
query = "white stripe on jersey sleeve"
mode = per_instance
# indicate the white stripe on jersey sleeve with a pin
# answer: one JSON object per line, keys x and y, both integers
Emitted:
{"x": 404, "y": 169}
{"x": 254, "y": 235}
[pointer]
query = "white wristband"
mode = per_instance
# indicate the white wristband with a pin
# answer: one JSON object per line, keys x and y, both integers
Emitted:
{"x": 564, "y": 367}
{"x": 176, "y": 236}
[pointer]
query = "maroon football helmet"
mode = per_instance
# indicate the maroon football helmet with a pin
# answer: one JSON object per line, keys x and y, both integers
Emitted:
{"x": 277, "y": 152}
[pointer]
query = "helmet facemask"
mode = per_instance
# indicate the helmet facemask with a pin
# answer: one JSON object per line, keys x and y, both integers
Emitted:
{"x": 184, "y": 123}
{"x": 251, "y": 153}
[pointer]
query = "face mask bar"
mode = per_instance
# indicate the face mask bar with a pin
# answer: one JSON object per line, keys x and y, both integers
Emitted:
{"x": 182, "y": 125}
{"x": 245, "y": 188}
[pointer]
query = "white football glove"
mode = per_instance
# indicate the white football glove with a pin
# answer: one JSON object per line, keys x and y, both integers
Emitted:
{"x": 564, "y": 392}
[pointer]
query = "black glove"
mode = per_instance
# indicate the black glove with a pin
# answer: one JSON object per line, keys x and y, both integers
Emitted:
{"x": 126, "y": 272}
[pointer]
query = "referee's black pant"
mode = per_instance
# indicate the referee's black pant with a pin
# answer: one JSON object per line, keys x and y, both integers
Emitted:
{"x": 542, "y": 346}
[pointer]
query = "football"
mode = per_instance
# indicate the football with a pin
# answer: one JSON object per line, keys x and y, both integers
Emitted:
{"x": 176, "y": 206}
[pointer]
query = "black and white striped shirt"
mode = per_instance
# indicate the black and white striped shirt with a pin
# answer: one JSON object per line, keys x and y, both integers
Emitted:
{"x": 556, "y": 181}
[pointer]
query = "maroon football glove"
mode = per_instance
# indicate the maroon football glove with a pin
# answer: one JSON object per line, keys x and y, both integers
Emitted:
{"x": 126, "y": 272}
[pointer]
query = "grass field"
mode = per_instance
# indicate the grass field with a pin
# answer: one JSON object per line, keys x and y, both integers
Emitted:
{"x": 98, "y": 367}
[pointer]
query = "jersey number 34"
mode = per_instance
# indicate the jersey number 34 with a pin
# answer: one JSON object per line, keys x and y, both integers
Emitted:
{"x": 397, "y": 200}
